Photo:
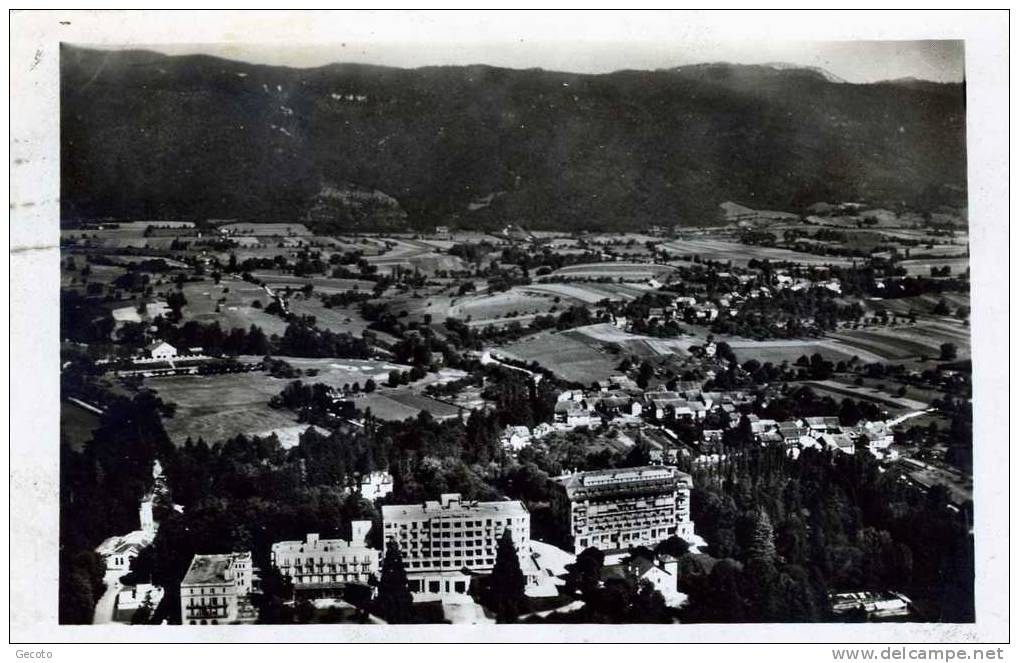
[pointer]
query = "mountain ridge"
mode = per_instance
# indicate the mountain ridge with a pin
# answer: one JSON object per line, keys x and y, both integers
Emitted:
{"x": 196, "y": 136}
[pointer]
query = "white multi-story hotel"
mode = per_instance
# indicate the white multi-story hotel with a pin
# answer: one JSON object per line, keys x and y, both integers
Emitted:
{"x": 621, "y": 508}
{"x": 447, "y": 542}
{"x": 326, "y": 564}
{"x": 215, "y": 589}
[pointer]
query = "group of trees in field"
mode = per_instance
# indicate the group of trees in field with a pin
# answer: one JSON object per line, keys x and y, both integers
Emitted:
{"x": 303, "y": 339}
{"x": 782, "y": 314}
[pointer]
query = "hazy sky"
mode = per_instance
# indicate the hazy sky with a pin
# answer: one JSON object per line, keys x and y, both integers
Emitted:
{"x": 855, "y": 61}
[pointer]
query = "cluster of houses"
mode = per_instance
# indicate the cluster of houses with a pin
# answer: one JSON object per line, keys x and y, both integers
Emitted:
{"x": 702, "y": 310}
{"x": 823, "y": 433}
{"x": 577, "y": 408}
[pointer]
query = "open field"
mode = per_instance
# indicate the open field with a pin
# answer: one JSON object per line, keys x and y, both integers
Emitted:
{"x": 843, "y": 389}
{"x": 325, "y": 284}
{"x": 414, "y": 254}
{"x": 236, "y": 311}
{"x": 217, "y": 407}
{"x": 567, "y": 357}
{"x": 627, "y": 271}
{"x": 777, "y": 351}
{"x": 399, "y": 404}
{"x": 491, "y": 307}
{"x": 922, "y": 266}
{"x": 338, "y": 372}
{"x": 588, "y": 293}
{"x": 922, "y": 304}
{"x": 634, "y": 344}
{"x": 338, "y": 318}
{"x": 105, "y": 274}
{"x": 903, "y": 341}
{"x": 741, "y": 254}
{"x": 891, "y": 386}
{"x": 130, "y": 313}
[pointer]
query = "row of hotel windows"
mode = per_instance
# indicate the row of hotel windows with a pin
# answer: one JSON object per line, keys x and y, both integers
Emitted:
{"x": 619, "y": 523}
{"x": 454, "y": 564}
{"x": 342, "y": 559}
{"x": 335, "y": 577}
{"x": 406, "y": 542}
{"x": 309, "y": 564}
{"x": 213, "y": 602}
{"x": 631, "y": 536}
{"x": 634, "y": 505}
{"x": 450, "y": 524}
{"x": 495, "y": 532}
{"x": 299, "y": 573}
{"x": 621, "y": 507}
{"x": 194, "y": 591}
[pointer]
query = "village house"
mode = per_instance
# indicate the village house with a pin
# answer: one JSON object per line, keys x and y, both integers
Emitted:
{"x": 375, "y": 485}
{"x": 838, "y": 442}
{"x": 574, "y": 411}
{"x": 161, "y": 351}
{"x": 795, "y": 437}
{"x": 515, "y": 438}
{"x": 820, "y": 425}
{"x": 541, "y": 430}
{"x": 118, "y": 551}
{"x": 662, "y": 573}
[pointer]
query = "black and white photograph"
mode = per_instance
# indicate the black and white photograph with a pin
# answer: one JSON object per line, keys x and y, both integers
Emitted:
{"x": 563, "y": 335}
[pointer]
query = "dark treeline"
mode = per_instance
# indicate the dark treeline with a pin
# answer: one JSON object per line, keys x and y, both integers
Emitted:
{"x": 788, "y": 532}
{"x": 100, "y": 490}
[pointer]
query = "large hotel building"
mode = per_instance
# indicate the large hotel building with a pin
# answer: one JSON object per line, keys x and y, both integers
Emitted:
{"x": 620, "y": 508}
{"x": 447, "y": 542}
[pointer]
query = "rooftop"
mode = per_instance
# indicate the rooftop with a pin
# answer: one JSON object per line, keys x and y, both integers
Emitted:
{"x": 212, "y": 569}
{"x": 649, "y": 477}
{"x": 450, "y": 504}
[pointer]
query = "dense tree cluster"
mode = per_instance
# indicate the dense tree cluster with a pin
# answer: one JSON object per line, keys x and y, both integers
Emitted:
{"x": 303, "y": 339}
{"x": 788, "y": 532}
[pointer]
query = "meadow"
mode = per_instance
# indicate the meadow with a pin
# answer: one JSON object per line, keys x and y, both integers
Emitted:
{"x": 567, "y": 357}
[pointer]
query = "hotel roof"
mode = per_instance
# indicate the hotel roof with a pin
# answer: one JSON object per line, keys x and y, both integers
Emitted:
{"x": 452, "y": 505}
{"x": 603, "y": 483}
{"x": 211, "y": 569}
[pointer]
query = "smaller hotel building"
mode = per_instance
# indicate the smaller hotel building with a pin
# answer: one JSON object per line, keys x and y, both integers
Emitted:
{"x": 215, "y": 590}
{"x": 446, "y": 543}
{"x": 321, "y": 565}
